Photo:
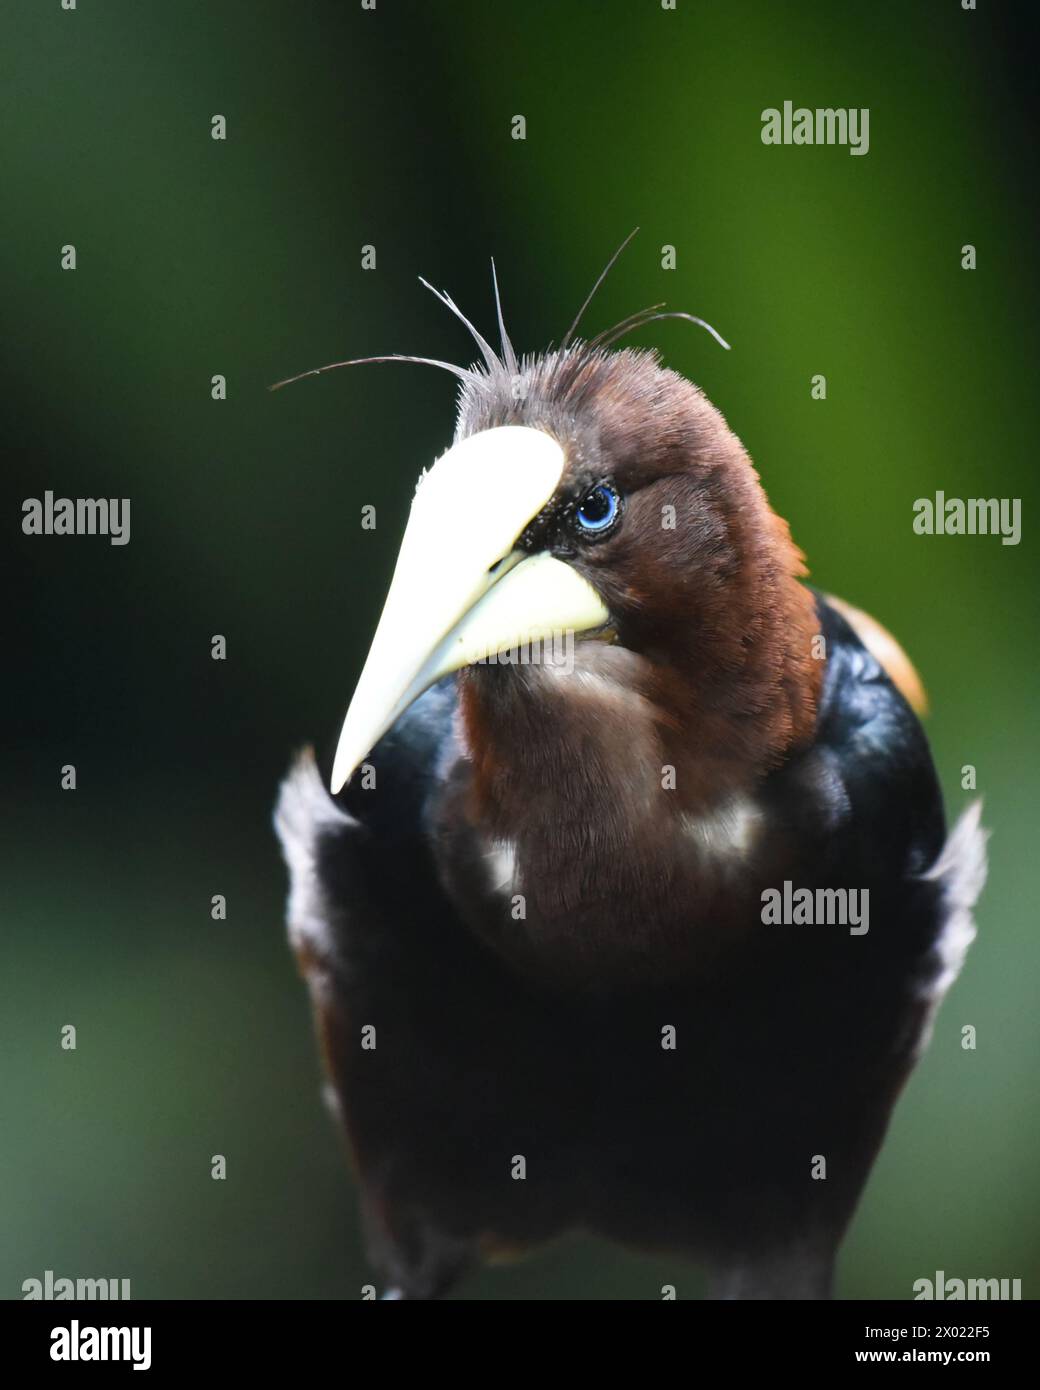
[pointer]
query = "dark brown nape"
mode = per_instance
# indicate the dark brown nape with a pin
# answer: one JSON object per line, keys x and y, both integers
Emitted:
{"x": 744, "y": 641}
{"x": 741, "y": 678}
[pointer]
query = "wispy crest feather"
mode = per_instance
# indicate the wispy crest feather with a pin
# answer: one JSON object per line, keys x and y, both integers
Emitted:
{"x": 505, "y": 361}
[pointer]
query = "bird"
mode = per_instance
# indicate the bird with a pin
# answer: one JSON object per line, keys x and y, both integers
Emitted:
{"x": 603, "y": 724}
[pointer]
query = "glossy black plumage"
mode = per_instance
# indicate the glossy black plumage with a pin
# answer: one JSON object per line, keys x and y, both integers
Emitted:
{"x": 792, "y": 1042}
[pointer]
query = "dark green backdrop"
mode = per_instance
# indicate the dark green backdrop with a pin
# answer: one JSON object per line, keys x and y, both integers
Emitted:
{"x": 242, "y": 257}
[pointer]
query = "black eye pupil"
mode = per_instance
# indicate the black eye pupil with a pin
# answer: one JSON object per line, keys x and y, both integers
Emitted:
{"x": 596, "y": 505}
{"x": 598, "y": 512}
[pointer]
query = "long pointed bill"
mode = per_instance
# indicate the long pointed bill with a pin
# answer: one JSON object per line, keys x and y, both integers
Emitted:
{"x": 461, "y": 592}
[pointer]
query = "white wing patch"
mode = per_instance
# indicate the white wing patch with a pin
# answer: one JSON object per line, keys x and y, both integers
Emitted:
{"x": 304, "y": 814}
{"x": 961, "y": 872}
{"x": 501, "y": 862}
{"x": 728, "y": 833}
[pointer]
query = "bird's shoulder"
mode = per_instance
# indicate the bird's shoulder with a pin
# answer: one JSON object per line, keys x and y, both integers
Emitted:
{"x": 362, "y": 858}
{"x": 868, "y": 771}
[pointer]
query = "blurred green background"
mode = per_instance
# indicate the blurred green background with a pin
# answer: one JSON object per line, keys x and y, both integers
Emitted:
{"x": 243, "y": 258}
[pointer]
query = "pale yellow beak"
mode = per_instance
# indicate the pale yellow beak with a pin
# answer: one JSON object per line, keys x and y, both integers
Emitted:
{"x": 461, "y": 592}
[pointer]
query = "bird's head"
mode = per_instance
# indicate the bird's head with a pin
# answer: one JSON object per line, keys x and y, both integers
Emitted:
{"x": 593, "y": 496}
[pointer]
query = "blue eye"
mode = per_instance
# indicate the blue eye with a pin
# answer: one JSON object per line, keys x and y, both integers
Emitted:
{"x": 599, "y": 509}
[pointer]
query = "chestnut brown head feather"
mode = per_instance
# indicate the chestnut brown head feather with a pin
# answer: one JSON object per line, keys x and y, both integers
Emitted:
{"x": 700, "y": 576}
{"x": 711, "y": 670}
